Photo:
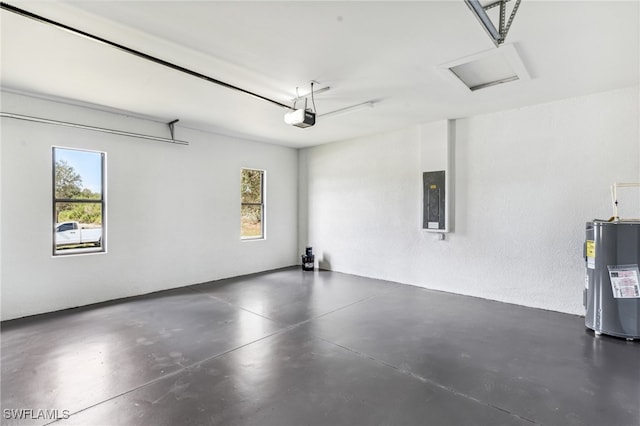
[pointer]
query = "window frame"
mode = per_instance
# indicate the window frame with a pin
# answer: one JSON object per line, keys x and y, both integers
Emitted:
{"x": 261, "y": 204}
{"x": 102, "y": 201}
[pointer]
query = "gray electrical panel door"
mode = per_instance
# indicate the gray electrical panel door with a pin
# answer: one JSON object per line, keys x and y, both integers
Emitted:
{"x": 433, "y": 216}
{"x": 612, "y": 293}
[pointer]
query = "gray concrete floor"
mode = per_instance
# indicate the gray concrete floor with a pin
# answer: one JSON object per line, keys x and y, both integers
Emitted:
{"x": 315, "y": 348}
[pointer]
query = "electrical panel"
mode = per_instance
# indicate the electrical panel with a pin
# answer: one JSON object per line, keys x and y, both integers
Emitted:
{"x": 433, "y": 217}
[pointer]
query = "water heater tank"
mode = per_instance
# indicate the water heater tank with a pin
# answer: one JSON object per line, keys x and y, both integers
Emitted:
{"x": 612, "y": 293}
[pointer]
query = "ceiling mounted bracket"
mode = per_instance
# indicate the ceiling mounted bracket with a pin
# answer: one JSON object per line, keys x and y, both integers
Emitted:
{"x": 306, "y": 95}
{"x": 171, "y": 125}
{"x": 498, "y": 34}
{"x": 350, "y": 109}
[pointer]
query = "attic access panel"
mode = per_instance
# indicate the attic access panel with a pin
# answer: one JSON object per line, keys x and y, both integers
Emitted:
{"x": 485, "y": 72}
{"x": 486, "y": 69}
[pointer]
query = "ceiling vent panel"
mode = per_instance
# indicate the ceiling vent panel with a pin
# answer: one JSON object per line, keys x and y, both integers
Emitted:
{"x": 486, "y": 69}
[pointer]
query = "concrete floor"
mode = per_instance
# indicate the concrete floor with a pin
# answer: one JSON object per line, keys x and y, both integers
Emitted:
{"x": 315, "y": 348}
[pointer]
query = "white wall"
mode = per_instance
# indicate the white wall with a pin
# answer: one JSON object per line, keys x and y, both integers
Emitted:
{"x": 525, "y": 182}
{"x": 173, "y": 211}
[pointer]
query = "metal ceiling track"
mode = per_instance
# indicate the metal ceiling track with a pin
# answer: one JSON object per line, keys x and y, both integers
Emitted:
{"x": 498, "y": 34}
{"x": 97, "y": 129}
{"x": 134, "y": 52}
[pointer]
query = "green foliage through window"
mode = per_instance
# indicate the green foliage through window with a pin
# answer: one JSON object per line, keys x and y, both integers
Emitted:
{"x": 78, "y": 200}
{"x": 252, "y": 203}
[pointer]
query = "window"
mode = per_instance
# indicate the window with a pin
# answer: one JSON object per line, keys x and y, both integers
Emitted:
{"x": 252, "y": 204}
{"x": 66, "y": 227}
{"x": 78, "y": 201}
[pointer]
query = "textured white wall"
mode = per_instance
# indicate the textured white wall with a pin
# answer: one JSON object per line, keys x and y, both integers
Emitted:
{"x": 525, "y": 181}
{"x": 173, "y": 211}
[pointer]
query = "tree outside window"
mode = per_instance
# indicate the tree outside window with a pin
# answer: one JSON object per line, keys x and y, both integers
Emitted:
{"x": 78, "y": 201}
{"x": 252, "y": 204}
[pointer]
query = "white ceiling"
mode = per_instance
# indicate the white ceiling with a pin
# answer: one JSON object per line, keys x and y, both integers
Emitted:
{"x": 364, "y": 50}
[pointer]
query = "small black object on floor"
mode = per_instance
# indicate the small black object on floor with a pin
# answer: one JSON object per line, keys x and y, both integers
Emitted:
{"x": 308, "y": 260}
